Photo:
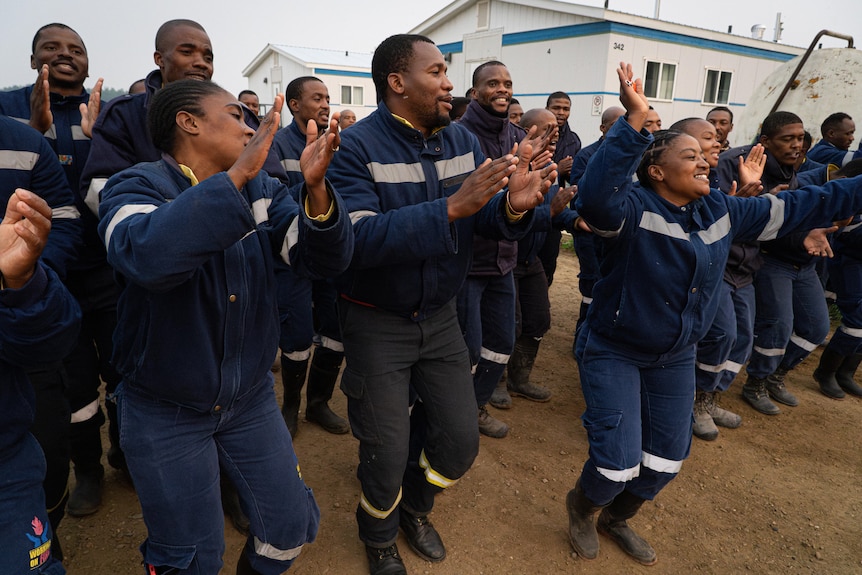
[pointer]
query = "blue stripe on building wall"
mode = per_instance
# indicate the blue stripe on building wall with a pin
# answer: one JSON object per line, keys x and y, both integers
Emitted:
{"x": 596, "y": 28}
{"x": 328, "y": 72}
{"x": 546, "y": 94}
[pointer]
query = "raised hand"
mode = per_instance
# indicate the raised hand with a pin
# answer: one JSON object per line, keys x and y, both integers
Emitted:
{"x": 41, "y": 117}
{"x": 254, "y": 155}
{"x": 527, "y": 188}
{"x": 748, "y": 190}
{"x": 314, "y": 162}
{"x": 90, "y": 110}
{"x": 751, "y": 168}
{"x": 480, "y": 186}
{"x": 632, "y": 96}
{"x": 23, "y": 234}
{"x": 561, "y": 200}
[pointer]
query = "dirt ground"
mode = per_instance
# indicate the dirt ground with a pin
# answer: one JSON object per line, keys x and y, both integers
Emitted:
{"x": 781, "y": 494}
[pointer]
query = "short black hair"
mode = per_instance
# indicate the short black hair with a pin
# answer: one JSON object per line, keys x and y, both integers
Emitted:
{"x": 391, "y": 57}
{"x": 832, "y": 122}
{"x": 170, "y": 25}
{"x": 557, "y": 96}
{"x": 482, "y": 66}
{"x": 777, "y": 120}
{"x": 175, "y": 97}
{"x": 294, "y": 88}
{"x": 514, "y": 101}
{"x": 721, "y": 109}
{"x": 806, "y": 140}
{"x": 662, "y": 140}
{"x": 52, "y": 25}
{"x": 246, "y": 93}
{"x": 682, "y": 125}
{"x": 851, "y": 169}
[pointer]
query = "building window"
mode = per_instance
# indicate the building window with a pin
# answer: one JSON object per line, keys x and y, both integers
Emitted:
{"x": 717, "y": 87}
{"x": 483, "y": 15}
{"x": 659, "y": 80}
{"x": 352, "y": 96}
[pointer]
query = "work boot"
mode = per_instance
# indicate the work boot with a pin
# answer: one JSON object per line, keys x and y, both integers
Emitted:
{"x": 754, "y": 392}
{"x": 322, "y": 375}
{"x": 776, "y": 388}
{"x": 385, "y": 560}
{"x": 292, "y": 378}
{"x": 704, "y": 427}
{"x": 501, "y": 398}
{"x": 612, "y": 522}
{"x": 721, "y": 416}
{"x": 824, "y": 375}
{"x": 520, "y": 366}
{"x": 582, "y": 523}
{"x": 490, "y": 426}
{"x": 86, "y": 498}
{"x": 421, "y": 536}
{"x": 845, "y": 373}
{"x": 231, "y": 506}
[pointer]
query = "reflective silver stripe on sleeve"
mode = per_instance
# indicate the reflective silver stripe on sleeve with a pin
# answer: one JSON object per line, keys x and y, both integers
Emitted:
{"x": 803, "y": 343}
{"x": 607, "y": 233}
{"x": 661, "y": 464}
{"x": 78, "y": 133}
{"x": 717, "y": 231}
{"x": 65, "y": 213}
{"x": 92, "y": 198}
{"x": 776, "y": 219}
{"x": 18, "y": 160}
{"x": 359, "y": 214}
{"x": 260, "y": 210}
{"x": 290, "y": 165}
{"x": 653, "y": 222}
{"x": 620, "y": 475}
{"x": 125, "y": 212}
{"x": 51, "y": 134}
{"x": 290, "y": 239}
{"x": 271, "y": 552}
{"x": 847, "y": 157}
{"x": 396, "y": 173}
{"x": 456, "y": 166}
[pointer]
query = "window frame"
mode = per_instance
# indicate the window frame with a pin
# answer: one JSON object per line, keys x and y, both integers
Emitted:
{"x": 717, "y": 88}
{"x": 661, "y": 75}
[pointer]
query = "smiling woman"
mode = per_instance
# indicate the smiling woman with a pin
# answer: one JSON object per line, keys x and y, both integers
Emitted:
{"x": 666, "y": 244}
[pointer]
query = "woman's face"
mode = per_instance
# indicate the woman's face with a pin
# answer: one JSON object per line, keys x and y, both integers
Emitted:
{"x": 681, "y": 174}
{"x": 705, "y": 134}
{"x": 223, "y": 131}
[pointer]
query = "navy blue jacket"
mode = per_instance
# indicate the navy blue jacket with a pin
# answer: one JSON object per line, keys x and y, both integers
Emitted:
{"x": 568, "y": 144}
{"x": 72, "y": 148}
{"x": 197, "y": 318}
{"x": 121, "y": 139}
{"x": 409, "y": 259}
{"x": 29, "y": 162}
{"x": 825, "y": 153}
{"x": 663, "y": 263}
{"x": 496, "y": 135}
{"x": 38, "y": 324}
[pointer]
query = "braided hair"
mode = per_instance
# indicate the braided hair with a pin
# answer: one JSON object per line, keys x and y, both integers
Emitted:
{"x": 176, "y": 97}
{"x": 662, "y": 140}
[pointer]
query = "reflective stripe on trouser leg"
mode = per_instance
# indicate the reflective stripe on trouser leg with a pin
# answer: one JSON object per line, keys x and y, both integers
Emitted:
{"x": 374, "y": 511}
{"x": 434, "y": 477}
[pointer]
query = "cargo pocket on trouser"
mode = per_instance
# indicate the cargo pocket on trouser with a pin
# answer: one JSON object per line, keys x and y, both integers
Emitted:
{"x": 608, "y": 440}
{"x": 359, "y": 409}
{"x": 163, "y": 559}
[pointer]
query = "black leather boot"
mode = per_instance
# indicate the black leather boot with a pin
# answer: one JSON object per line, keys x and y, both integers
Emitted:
{"x": 754, "y": 392}
{"x": 776, "y": 388}
{"x": 292, "y": 378}
{"x": 322, "y": 376}
{"x": 384, "y": 560}
{"x": 422, "y": 536}
{"x": 845, "y": 374}
{"x": 521, "y": 366}
{"x": 612, "y": 522}
{"x": 243, "y": 566}
{"x": 582, "y": 523}
{"x": 824, "y": 375}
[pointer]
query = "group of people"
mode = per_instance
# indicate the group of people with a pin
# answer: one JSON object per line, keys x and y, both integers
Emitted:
{"x": 192, "y": 241}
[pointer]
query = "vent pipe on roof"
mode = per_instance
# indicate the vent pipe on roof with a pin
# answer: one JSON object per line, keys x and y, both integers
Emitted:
{"x": 657, "y": 9}
{"x": 757, "y": 31}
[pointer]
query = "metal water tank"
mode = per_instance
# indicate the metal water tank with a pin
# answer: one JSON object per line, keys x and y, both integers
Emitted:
{"x": 830, "y": 80}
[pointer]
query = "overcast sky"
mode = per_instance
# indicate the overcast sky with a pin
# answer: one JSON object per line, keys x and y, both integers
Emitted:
{"x": 119, "y": 34}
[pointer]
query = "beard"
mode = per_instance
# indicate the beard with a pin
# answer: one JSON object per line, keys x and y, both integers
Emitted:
{"x": 433, "y": 118}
